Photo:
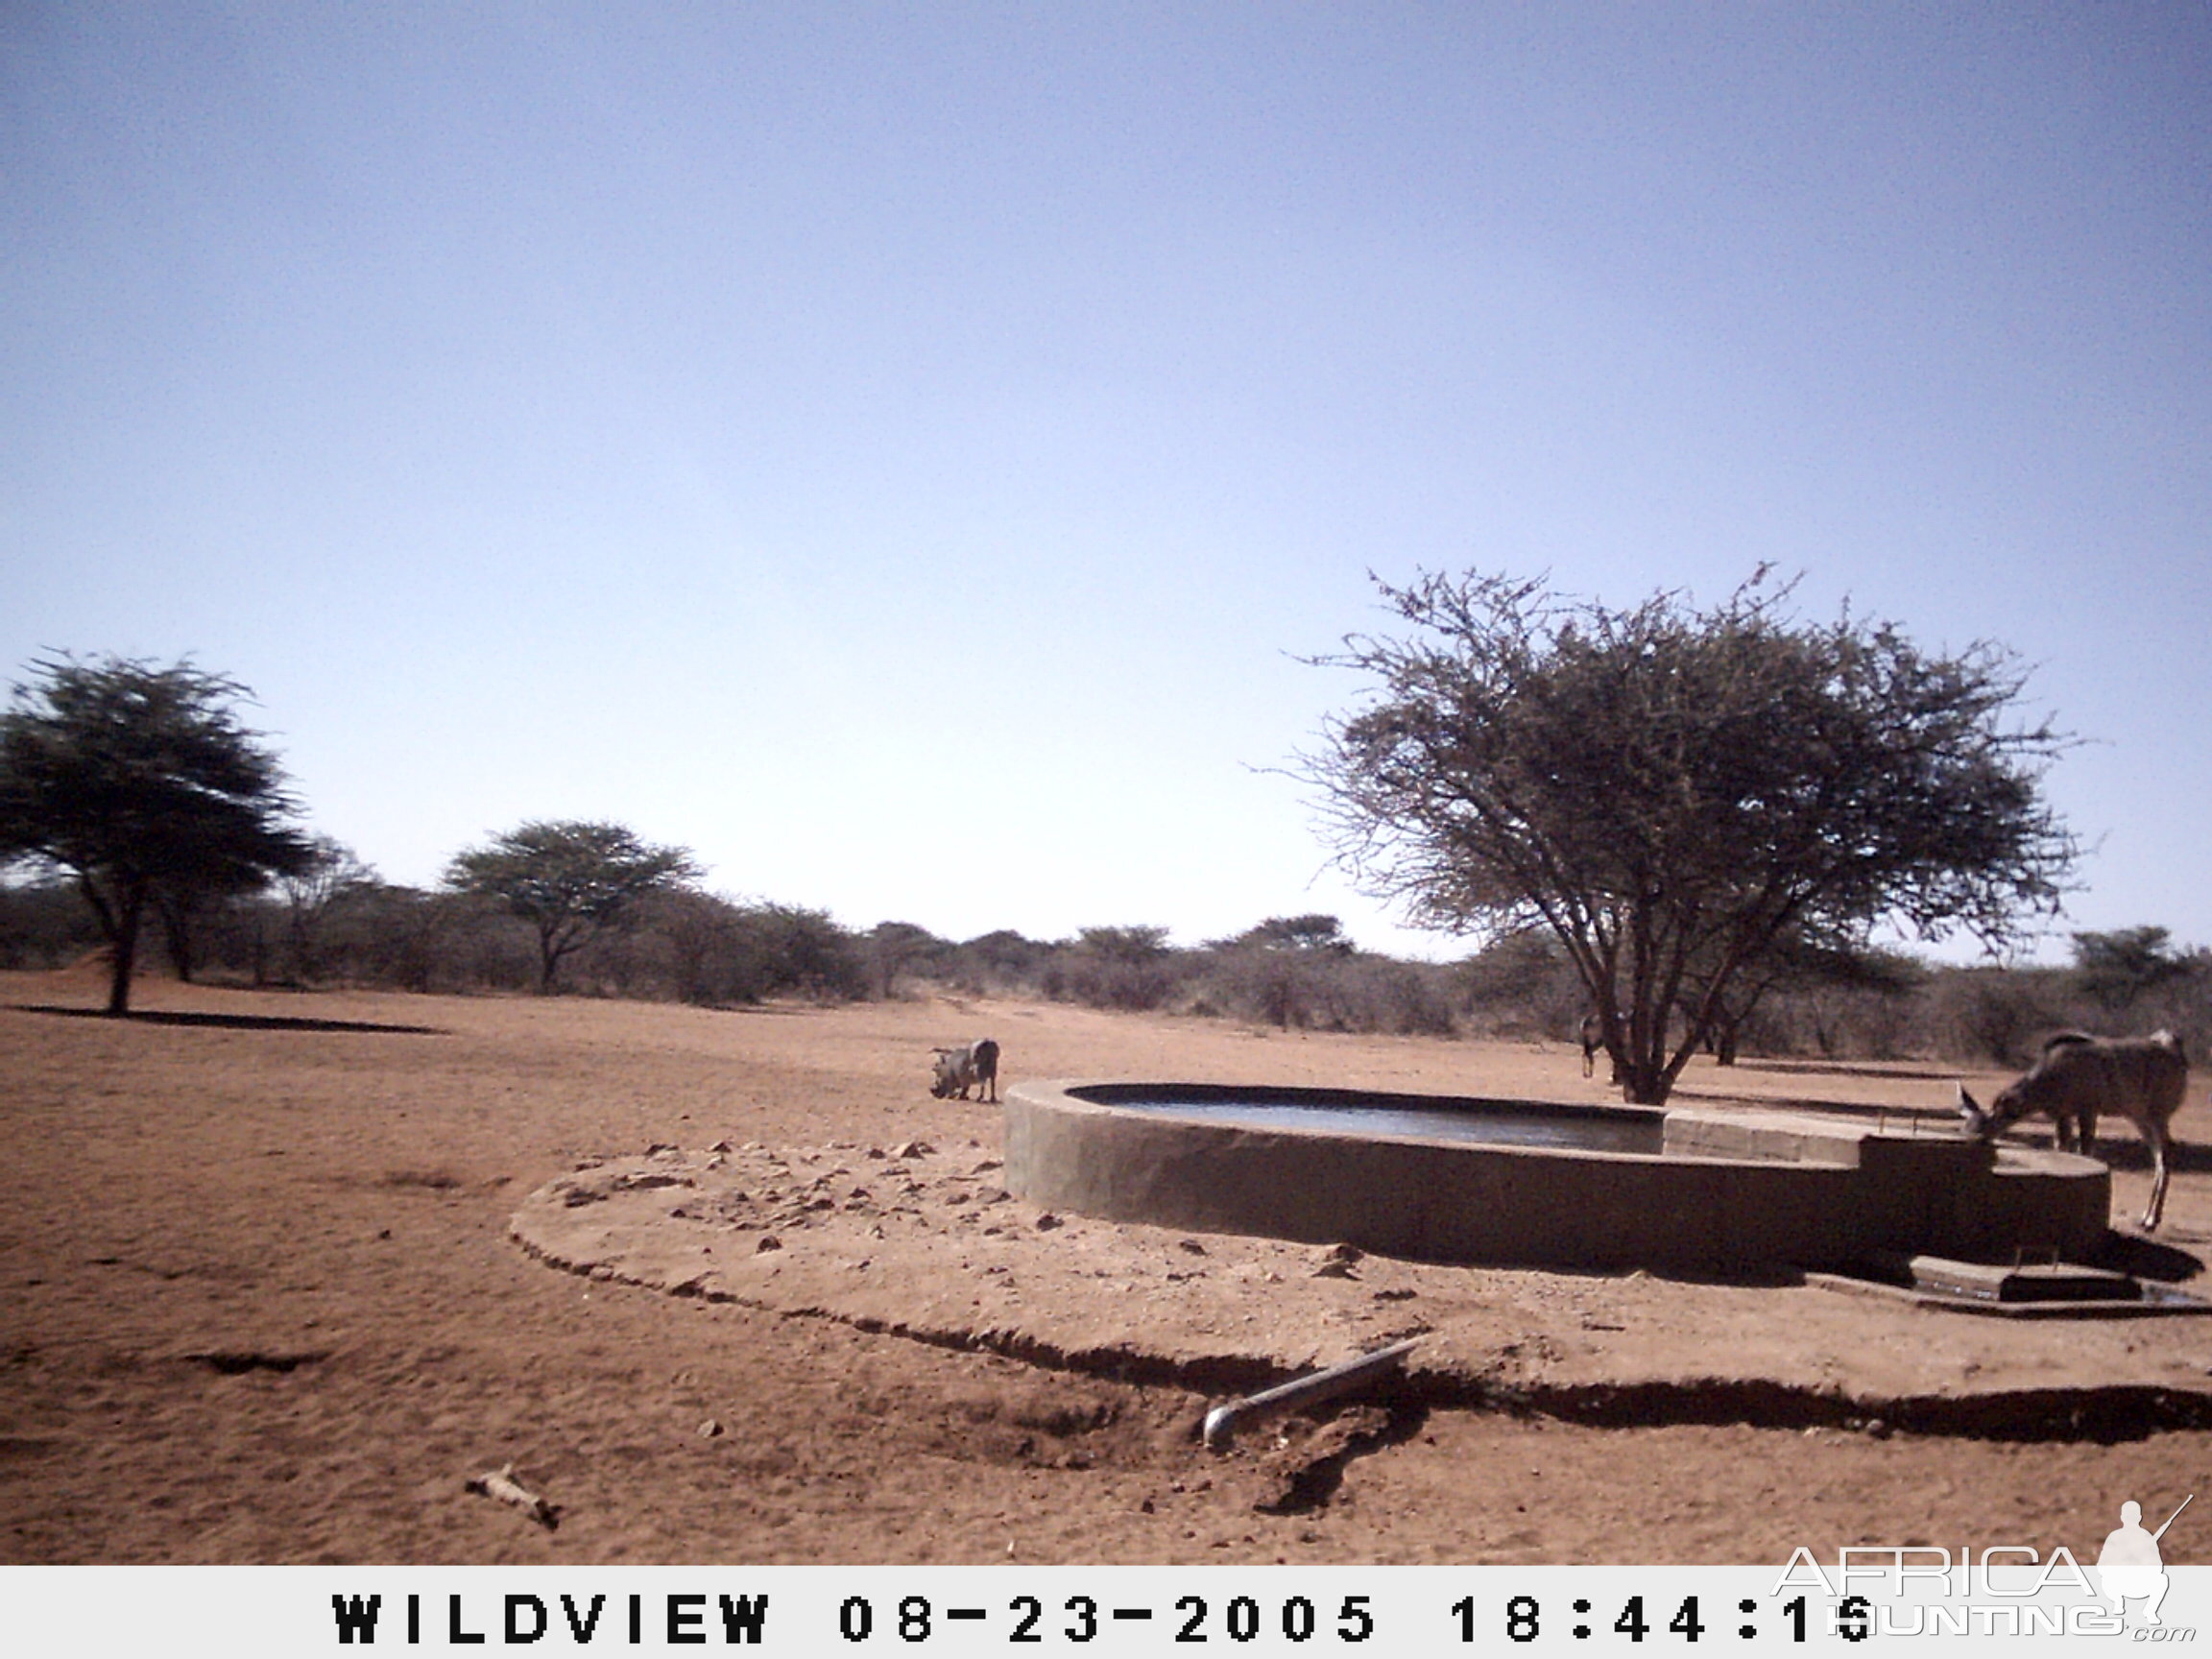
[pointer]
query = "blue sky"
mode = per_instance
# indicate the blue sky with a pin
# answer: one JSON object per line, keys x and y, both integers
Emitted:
{"x": 902, "y": 453}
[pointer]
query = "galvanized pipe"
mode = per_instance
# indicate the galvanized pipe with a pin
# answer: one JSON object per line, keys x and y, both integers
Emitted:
{"x": 1222, "y": 1422}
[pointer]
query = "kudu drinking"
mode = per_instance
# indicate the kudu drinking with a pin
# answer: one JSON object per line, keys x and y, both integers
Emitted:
{"x": 2077, "y": 1077}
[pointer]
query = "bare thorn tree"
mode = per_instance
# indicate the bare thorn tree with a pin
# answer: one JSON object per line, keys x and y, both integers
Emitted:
{"x": 333, "y": 874}
{"x": 1672, "y": 793}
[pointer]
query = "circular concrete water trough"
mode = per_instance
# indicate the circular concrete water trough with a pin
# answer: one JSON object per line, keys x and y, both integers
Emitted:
{"x": 1503, "y": 1182}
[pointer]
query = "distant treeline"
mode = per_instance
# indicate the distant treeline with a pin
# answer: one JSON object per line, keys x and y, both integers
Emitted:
{"x": 1293, "y": 973}
{"x": 678, "y": 945}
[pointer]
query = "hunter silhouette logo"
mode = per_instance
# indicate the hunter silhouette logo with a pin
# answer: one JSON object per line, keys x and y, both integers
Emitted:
{"x": 2129, "y": 1565}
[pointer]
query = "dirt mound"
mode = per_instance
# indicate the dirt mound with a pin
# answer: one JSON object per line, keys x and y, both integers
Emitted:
{"x": 926, "y": 1245}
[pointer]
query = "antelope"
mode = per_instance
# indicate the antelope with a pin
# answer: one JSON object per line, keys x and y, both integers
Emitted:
{"x": 2139, "y": 1078}
{"x": 1594, "y": 1044}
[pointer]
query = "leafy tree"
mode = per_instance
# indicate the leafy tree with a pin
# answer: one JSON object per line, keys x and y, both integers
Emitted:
{"x": 2114, "y": 969}
{"x": 1131, "y": 968}
{"x": 710, "y": 965}
{"x": 1005, "y": 953}
{"x": 1672, "y": 792}
{"x": 1131, "y": 945}
{"x": 141, "y": 783}
{"x": 721, "y": 951}
{"x": 1284, "y": 969}
{"x": 895, "y": 946}
{"x": 1319, "y": 933}
{"x": 569, "y": 881}
{"x": 1527, "y": 973}
{"x": 809, "y": 953}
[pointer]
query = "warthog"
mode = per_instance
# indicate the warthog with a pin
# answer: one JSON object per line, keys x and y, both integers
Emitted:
{"x": 960, "y": 1070}
{"x": 2139, "y": 1078}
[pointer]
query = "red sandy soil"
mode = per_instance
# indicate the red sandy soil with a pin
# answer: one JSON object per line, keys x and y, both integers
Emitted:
{"x": 262, "y": 1300}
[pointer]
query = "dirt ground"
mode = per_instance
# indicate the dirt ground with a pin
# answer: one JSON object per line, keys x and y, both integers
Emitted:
{"x": 276, "y": 1279}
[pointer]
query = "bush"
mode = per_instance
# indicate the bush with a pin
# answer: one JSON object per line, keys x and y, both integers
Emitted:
{"x": 712, "y": 952}
{"x": 1522, "y": 986}
{"x": 679, "y": 946}
{"x": 1997, "y": 1016}
{"x": 1000, "y": 963}
{"x": 1312, "y": 990}
{"x": 896, "y": 950}
{"x": 43, "y": 925}
{"x": 1129, "y": 969}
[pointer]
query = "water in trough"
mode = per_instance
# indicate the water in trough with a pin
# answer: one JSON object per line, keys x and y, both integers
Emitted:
{"x": 1517, "y": 1124}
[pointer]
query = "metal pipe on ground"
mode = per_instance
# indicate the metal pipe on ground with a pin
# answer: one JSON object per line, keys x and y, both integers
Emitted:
{"x": 1223, "y": 1421}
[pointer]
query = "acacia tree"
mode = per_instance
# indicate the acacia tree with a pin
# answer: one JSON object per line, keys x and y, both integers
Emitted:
{"x": 1672, "y": 792}
{"x": 895, "y": 946}
{"x": 2115, "y": 969}
{"x": 142, "y": 785}
{"x": 568, "y": 879}
{"x": 1322, "y": 935}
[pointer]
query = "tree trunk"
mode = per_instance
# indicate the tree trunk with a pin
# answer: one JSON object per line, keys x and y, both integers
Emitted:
{"x": 176, "y": 914}
{"x": 125, "y": 952}
{"x": 299, "y": 944}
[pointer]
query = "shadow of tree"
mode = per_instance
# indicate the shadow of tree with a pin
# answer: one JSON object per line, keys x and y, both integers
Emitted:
{"x": 1847, "y": 1069}
{"x": 229, "y": 1021}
